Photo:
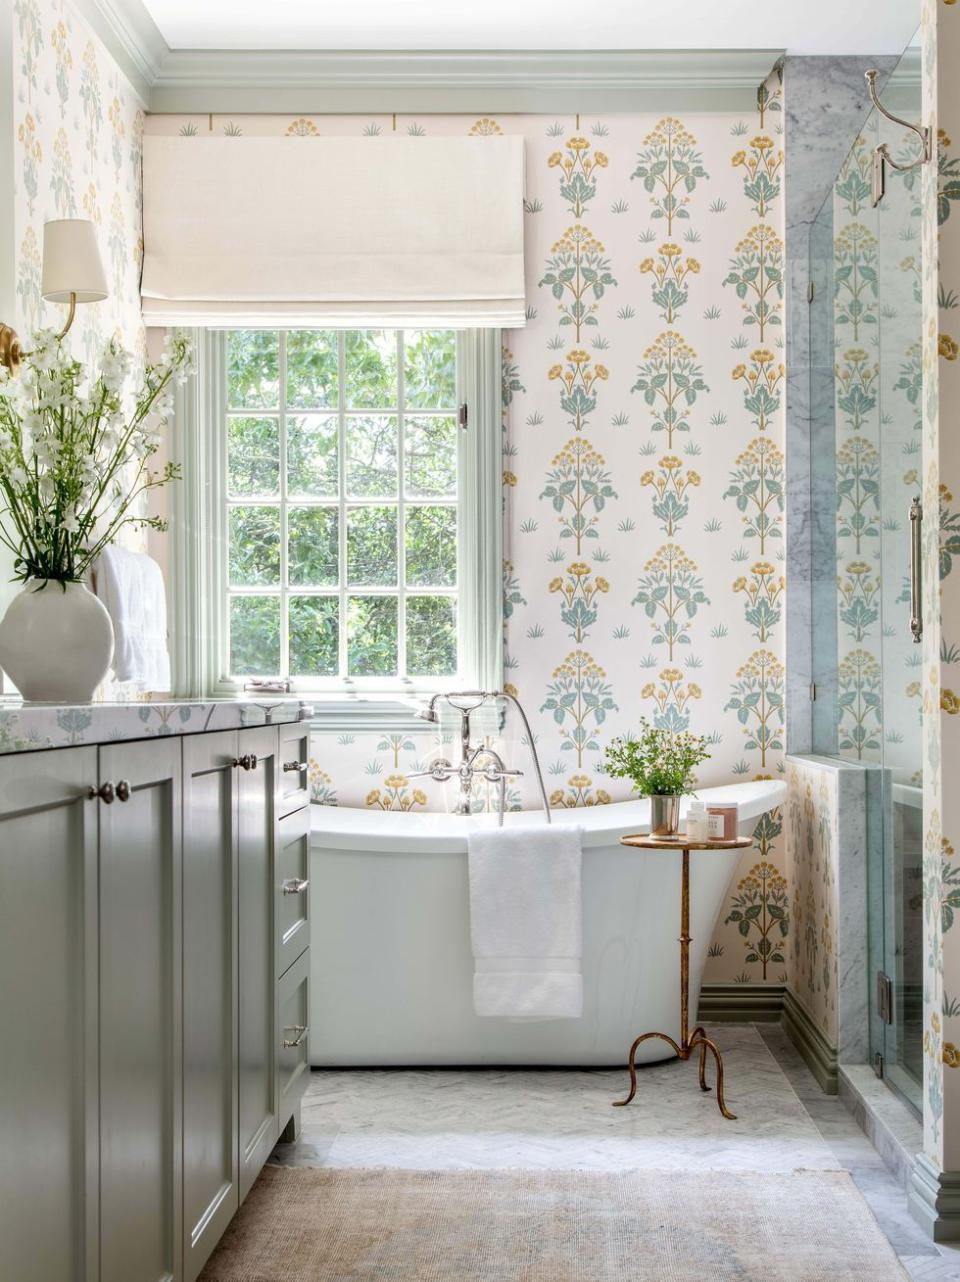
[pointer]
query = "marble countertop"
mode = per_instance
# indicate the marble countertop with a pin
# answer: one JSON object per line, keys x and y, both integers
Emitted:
{"x": 31, "y": 727}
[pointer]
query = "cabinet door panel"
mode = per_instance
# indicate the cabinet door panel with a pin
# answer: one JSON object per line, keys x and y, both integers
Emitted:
{"x": 210, "y": 1167}
{"x": 294, "y": 761}
{"x": 48, "y": 1011}
{"x": 256, "y": 828}
{"x": 293, "y": 869}
{"x": 292, "y": 1036}
{"x": 140, "y": 985}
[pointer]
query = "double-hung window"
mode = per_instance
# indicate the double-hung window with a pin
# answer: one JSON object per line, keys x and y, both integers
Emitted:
{"x": 348, "y": 515}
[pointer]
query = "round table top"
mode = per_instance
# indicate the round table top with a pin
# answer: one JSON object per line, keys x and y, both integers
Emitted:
{"x": 647, "y": 841}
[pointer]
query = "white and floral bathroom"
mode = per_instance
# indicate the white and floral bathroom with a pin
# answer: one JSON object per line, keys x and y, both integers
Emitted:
{"x": 479, "y": 641}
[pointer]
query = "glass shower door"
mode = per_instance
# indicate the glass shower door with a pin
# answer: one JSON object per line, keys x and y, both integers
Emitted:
{"x": 865, "y": 331}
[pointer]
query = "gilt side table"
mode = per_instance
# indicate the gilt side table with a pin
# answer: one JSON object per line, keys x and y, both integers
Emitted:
{"x": 698, "y": 1038}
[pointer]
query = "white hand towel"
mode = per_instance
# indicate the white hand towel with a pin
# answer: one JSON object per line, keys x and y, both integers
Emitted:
{"x": 130, "y": 585}
{"x": 526, "y": 922}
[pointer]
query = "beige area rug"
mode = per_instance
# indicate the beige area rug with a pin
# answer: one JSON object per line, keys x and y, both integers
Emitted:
{"x": 300, "y": 1225}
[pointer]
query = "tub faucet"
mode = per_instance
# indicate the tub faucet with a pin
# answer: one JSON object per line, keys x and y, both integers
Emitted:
{"x": 465, "y": 702}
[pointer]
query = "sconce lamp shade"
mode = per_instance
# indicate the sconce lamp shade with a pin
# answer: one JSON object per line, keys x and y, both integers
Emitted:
{"x": 71, "y": 262}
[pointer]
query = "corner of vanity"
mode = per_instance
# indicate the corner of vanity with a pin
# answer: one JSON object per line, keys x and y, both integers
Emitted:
{"x": 154, "y": 947}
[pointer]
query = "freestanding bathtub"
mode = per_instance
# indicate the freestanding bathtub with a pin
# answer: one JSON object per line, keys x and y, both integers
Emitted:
{"x": 391, "y": 967}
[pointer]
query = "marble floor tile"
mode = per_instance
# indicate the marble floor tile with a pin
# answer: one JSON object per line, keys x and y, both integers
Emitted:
{"x": 563, "y": 1119}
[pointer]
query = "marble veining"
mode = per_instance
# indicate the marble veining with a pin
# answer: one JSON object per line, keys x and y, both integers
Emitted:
{"x": 32, "y": 727}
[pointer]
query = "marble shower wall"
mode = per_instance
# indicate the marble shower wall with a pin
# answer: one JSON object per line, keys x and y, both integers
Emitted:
{"x": 643, "y": 469}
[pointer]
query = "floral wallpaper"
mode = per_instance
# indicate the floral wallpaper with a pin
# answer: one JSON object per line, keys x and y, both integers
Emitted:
{"x": 79, "y": 131}
{"x": 643, "y": 470}
{"x": 940, "y": 477}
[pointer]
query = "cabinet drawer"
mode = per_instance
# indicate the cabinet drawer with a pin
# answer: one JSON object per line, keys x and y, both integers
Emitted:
{"x": 294, "y": 761}
{"x": 293, "y": 887}
{"x": 293, "y": 1063}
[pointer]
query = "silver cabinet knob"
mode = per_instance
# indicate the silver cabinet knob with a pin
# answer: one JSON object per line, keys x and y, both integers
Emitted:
{"x": 106, "y": 792}
{"x": 300, "y": 1030}
{"x": 291, "y": 766}
{"x": 123, "y": 790}
{"x": 295, "y": 885}
{"x": 247, "y": 762}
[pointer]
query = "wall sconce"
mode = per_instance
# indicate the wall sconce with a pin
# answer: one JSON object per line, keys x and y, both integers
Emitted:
{"x": 72, "y": 273}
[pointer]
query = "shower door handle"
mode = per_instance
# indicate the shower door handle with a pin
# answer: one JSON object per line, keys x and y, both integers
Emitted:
{"x": 916, "y": 579}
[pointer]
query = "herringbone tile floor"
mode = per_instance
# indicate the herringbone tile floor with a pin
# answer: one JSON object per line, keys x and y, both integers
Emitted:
{"x": 562, "y": 1119}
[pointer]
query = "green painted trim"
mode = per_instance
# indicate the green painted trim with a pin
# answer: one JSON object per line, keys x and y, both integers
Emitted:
{"x": 484, "y": 82}
{"x": 481, "y": 510}
{"x": 130, "y": 36}
{"x": 821, "y": 1058}
{"x": 365, "y": 716}
{"x": 741, "y": 1003}
{"x": 933, "y": 1197}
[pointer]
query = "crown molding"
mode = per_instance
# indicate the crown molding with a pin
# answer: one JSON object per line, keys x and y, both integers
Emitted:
{"x": 131, "y": 37}
{"x": 357, "y": 81}
{"x": 347, "y": 81}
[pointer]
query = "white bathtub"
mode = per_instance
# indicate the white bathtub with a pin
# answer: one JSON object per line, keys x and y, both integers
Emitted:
{"x": 391, "y": 968}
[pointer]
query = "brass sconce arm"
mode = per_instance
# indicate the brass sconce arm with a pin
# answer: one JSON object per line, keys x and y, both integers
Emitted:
{"x": 12, "y": 354}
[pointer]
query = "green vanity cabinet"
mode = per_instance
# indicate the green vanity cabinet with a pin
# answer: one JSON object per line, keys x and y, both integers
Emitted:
{"x": 144, "y": 1075}
{"x": 259, "y": 1118}
{"x": 211, "y": 1176}
{"x": 49, "y": 1164}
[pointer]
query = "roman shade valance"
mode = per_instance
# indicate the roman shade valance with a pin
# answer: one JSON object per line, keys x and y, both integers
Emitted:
{"x": 333, "y": 231}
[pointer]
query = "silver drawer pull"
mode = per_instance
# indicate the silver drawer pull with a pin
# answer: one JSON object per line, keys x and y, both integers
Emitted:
{"x": 301, "y": 1031}
{"x": 123, "y": 790}
{"x": 246, "y": 762}
{"x": 295, "y": 886}
{"x": 291, "y": 766}
{"x": 106, "y": 792}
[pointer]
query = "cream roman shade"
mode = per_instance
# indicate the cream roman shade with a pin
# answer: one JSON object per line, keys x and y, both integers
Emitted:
{"x": 333, "y": 231}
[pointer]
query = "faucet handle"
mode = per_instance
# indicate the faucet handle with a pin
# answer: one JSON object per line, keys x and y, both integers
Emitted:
{"x": 440, "y": 770}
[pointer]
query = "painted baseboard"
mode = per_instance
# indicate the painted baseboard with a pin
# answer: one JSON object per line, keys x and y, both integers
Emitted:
{"x": 934, "y": 1199}
{"x": 821, "y": 1058}
{"x": 741, "y": 1003}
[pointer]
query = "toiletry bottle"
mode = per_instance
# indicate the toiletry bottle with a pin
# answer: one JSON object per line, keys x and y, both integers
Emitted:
{"x": 697, "y": 821}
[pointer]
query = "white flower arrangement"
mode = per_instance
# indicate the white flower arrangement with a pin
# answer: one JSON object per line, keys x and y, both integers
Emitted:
{"x": 74, "y": 461}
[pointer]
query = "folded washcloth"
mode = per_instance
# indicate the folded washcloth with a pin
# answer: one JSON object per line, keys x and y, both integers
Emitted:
{"x": 130, "y": 585}
{"x": 526, "y": 922}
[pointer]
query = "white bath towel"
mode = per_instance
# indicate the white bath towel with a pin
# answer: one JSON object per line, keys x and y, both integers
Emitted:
{"x": 526, "y": 922}
{"x": 130, "y": 585}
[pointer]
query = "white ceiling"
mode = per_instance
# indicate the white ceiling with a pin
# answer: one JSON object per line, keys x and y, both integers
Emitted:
{"x": 799, "y": 26}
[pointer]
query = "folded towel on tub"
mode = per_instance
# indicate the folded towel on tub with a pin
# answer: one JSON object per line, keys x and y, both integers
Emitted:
{"x": 526, "y": 922}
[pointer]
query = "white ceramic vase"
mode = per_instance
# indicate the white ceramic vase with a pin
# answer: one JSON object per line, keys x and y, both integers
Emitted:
{"x": 56, "y": 642}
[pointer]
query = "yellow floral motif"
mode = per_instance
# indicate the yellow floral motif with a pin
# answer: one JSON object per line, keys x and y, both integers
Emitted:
{"x": 671, "y": 696}
{"x": 580, "y": 793}
{"x": 578, "y": 173}
{"x": 669, "y": 270}
{"x": 579, "y": 592}
{"x": 762, "y": 378}
{"x": 670, "y": 162}
{"x": 951, "y": 1055}
{"x": 302, "y": 128}
{"x": 396, "y": 795}
{"x": 670, "y": 483}
{"x": 578, "y": 269}
{"x": 761, "y": 161}
{"x": 756, "y": 272}
{"x": 763, "y": 589}
{"x": 484, "y": 127}
{"x": 949, "y": 702}
{"x": 578, "y": 386}
{"x": 947, "y": 347}
{"x": 510, "y": 479}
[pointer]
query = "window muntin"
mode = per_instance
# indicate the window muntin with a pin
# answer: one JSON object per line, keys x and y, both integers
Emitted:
{"x": 341, "y": 505}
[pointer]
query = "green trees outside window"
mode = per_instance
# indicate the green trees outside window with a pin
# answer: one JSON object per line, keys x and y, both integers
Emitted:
{"x": 341, "y": 503}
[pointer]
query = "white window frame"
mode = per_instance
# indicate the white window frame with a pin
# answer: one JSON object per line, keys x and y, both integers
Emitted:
{"x": 198, "y": 537}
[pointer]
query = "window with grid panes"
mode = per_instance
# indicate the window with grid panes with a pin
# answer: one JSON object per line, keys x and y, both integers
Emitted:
{"x": 341, "y": 514}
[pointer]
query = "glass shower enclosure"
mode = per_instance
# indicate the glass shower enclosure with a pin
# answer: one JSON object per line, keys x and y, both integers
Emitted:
{"x": 865, "y": 331}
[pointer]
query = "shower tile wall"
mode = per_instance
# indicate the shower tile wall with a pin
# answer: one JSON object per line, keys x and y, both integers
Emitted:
{"x": 643, "y": 470}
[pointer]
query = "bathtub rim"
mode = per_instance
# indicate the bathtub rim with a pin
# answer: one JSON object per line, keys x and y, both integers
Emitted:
{"x": 395, "y": 832}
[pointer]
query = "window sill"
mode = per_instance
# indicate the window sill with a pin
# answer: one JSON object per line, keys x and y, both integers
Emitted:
{"x": 334, "y": 714}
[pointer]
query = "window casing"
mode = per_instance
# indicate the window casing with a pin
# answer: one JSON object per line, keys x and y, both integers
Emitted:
{"x": 284, "y": 495}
